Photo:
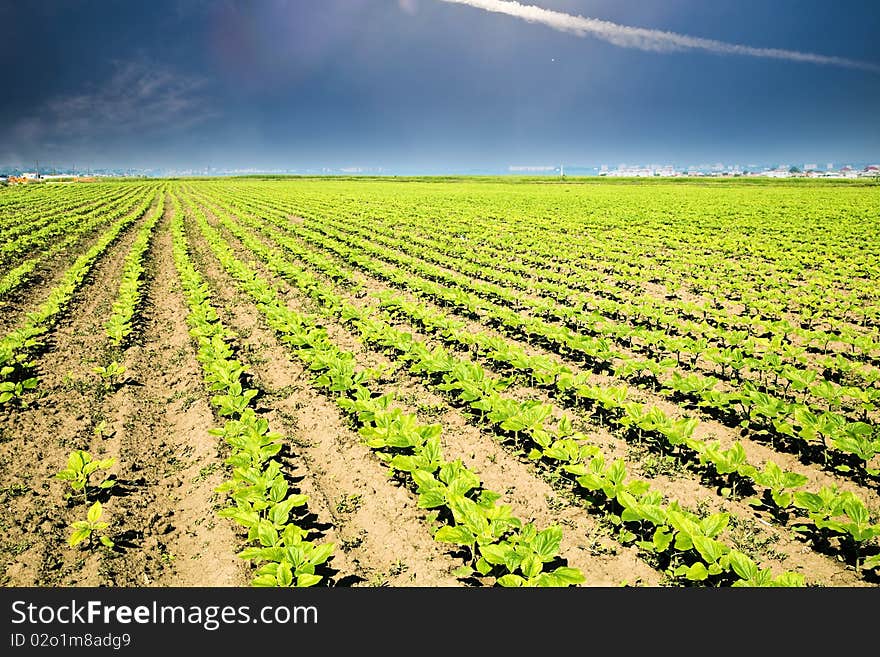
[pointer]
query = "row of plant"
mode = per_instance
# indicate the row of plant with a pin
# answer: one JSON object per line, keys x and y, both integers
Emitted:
{"x": 24, "y": 272}
{"x": 119, "y": 324}
{"x": 688, "y": 352}
{"x": 468, "y": 384}
{"x": 594, "y": 289}
{"x": 609, "y": 259}
{"x": 44, "y": 237}
{"x": 259, "y": 493}
{"x": 778, "y": 491}
{"x": 763, "y": 350}
{"x": 497, "y": 546}
{"x": 18, "y": 347}
{"x": 825, "y": 436}
{"x": 81, "y": 465}
{"x": 76, "y": 203}
{"x": 35, "y": 202}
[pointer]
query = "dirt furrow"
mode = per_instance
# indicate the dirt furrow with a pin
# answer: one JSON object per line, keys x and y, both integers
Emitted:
{"x": 161, "y": 419}
{"x": 37, "y": 437}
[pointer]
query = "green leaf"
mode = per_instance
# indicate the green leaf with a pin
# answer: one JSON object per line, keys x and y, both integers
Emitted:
{"x": 431, "y": 499}
{"x": 511, "y": 581}
{"x": 531, "y": 566}
{"x": 266, "y": 533}
{"x": 305, "y": 580}
{"x": 743, "y": 566}
{"x": 710, "y": 549}
{"x": 278, "y": 491}
{"x": 251, "y": 553}
{"x": 792, "y": 580}
{"x": 714, "y": 524}
{"x": 568, "y": 575}
{"x": 483, "y": 566}
{"x": 872, "y": 562}
{"x": 697, "y": 572}
{"x": 78, "y": 536}
{"x": 321, "y": 553}
{"x": 284, "y": 574}
{"x": 591, "y": 481}
{"x": 457, "y": 534}
{"x": 662, "y": 538}
{"x": 546, "y": 543}
{"x": 496, "y": 554}
{"x": 77, "y": 460}
{"x": 465, "y": 571}
{"x": 781, "y": 499}
{"x": 683, "y": 542}
{"x": 264, "y": 580}
{"x": 94, "y": 512}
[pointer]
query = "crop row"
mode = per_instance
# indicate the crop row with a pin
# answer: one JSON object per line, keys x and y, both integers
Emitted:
{"x": 19, "y": 275}
{"x": 840, "y": 443}
{"x": 119, "y": 325}
{"x": 259, "y": 492}
{"x": 465, "y": 382}
{"x": 764, "y": 348}
{"x": 498, "y": 545}
{"x": 18, "y": 346}
{"x": 612, "y": 245}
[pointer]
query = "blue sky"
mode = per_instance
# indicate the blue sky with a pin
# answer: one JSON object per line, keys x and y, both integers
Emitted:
{"x": 430, "y": 84}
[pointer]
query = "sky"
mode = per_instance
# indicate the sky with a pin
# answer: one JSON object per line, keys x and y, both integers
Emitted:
{"x": 438, "y": 84}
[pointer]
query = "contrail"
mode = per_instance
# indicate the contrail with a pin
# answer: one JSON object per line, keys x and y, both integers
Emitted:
{"x": 650, "y": 40}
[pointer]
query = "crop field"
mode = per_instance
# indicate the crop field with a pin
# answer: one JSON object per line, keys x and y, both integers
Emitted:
{"x": 440, "y": 382}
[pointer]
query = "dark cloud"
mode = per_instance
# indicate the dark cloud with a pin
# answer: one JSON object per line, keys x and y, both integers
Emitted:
{"x": 138, "y": 99}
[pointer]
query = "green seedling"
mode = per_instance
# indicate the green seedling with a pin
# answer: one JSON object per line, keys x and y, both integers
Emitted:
{"x": 780, "y": 484}
{"x": 14, "y": 389}
{"x": 80, "y": 466}
{"x": 89, "y": 528}
{"x": 111, "y": 376}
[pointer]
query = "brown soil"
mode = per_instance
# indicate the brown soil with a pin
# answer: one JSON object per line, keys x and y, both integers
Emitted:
{"x": 586, "y": 544}
{"x": 709, "y": 429}
{"x": 163, "y": 513}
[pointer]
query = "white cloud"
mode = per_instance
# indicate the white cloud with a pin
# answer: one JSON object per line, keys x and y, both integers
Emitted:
{"x": 649, "y": 40}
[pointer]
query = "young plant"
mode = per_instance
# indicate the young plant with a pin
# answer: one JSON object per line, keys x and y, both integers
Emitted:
{"x": 89, "y": 528}
{"x": 111, "y": 376}
{"x": 80, "y": 466}
{"x": 14, "y": 389}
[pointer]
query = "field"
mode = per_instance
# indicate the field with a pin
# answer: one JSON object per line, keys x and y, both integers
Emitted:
{"x": 440, "y": 382}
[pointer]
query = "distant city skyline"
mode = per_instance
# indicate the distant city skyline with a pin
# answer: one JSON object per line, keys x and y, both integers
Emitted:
{"x": 438, "y": 85}
{"x": 828, "y": 169}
